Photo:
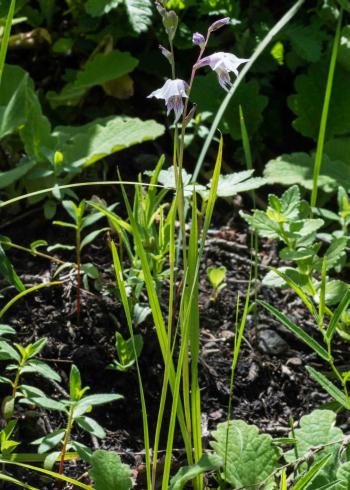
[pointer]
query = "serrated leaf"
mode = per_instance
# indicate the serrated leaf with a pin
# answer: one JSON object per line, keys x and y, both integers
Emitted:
{"x": 343, "y": 474}
{"x": 247, "y": 95}
{"x": 249, "y": 457}
{"x": 231, "y": 184}
{"x": 208, "y": 462}
{"x": 306, "y": 40}
{"x": 97, "y": 8}
{"x": 262, "y": 224}
{"x": 318, "y": 429}
{"x": 87, "y": 144}
{"x": 296, "y": 168}
{"x": 139, "y": 13}
{"x": 308, "y": 102}
{"x": 101, "y": 69}
{"x": 108, "y": 472}
{"x": 344, "y": 48}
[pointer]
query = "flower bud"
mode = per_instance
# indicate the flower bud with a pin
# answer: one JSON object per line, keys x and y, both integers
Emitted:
{"x": 198, "y": 39}
{"x": 170, "y": 22}
{"x": 219, "y": 23}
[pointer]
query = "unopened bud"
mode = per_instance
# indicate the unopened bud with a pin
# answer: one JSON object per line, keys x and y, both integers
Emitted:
{"x": 219, "y": 23}
{"x": 170, "y": 22}
{"x": 160, "y": 8}
{"x": 165, "y": 52}
{"x": 198, "y": 39}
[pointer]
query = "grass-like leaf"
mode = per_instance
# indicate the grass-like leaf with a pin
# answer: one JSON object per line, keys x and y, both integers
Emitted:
{"x": 328, "y": 386}
{"x": 337, "y": 314}
{"x": 299, "y": 332}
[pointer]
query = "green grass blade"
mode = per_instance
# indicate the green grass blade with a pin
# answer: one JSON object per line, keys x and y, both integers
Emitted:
{"x": 53, "y": 474}
{"x": 26, "y": 292}
{"x": 6, "y": 37}
{"x": 310, "y": 475}
{"x": 299, "y": 332}
{"x": 329, "y": 387}
{"x": 124, "y": 297}
{"x": 187, "y": 314}
{"x": 336, "y": 316}
{"x": 18, "y": 483}
{"x": 322, "y": 305}
{"x": 158, "y": 322}
{"x": 310, "y": 306}
{"x": 48, "y": 190}
{"x": 261, "y": 47}
{"x": 325, "y": 110}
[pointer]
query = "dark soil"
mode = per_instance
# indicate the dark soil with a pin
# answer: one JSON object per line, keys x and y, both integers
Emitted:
{"x": 270, "y": 386}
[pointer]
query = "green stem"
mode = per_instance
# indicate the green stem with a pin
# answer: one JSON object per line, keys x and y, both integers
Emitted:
{"x": 78, "y": 245}
{"x": 33, "y": 252}
{"x": 66, "y": 437}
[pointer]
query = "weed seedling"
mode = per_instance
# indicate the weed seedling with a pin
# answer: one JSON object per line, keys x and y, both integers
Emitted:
{"x": 80, "y": 222}
{"x": 217, "y": 278}
{"x": 24, "y": 361}
{"x": 75, "y": 410}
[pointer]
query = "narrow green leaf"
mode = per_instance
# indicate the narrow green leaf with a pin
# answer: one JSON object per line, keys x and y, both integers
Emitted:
{"x": 328, "y": 386}
{"x": 337, "y": 315}
{"x": 310, "y": 475}
{"x": 299, "y": 332}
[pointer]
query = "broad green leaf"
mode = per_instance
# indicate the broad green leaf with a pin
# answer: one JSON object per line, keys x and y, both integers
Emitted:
{"x": 338, "y": 149}
{"x": 91, "y": 426}
{"x": 296, "y": 168}
{"x": 97, "y": 8}
{"x": 208, "y": 462}
{"x": 343, "y": 474}
{"x": 6, "y": 330}
{"x": 85, "y": 145}
{"x": 140, "y": 14}
{"x": 262, "y": 224}
{"x": 216, "y": 275}
{"x": 328, "y": 386}
{"x": 249, "y": 457}
{"x": 272, "y": 279}
{"x": 306, "y": 40}
{"x": 307, "y": 103}
{"x": 344, "y": 48}
{"x": 318, "y": 429}
{"x": 248, "y": 96}
{"x": 10, "y": 176}
{"x": 108, "y": 472}
{"x": 333, "y": 254}
{"x": 298, "y": 331}
{"x": 103, "y": 68}
{"x": 232, "y": 184}
{"x": 13, "y": 99}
